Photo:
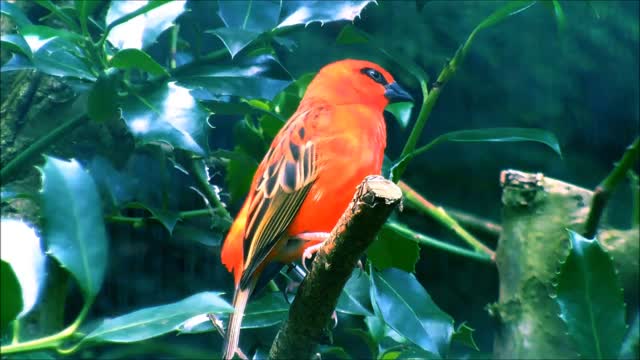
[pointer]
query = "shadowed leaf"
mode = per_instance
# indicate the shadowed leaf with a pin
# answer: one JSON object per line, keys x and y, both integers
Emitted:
{"x": 390, "y": 250}
{"x": 15, "y": 13}
{"x": 590, "y": 300}
{"x": 74, "y": 227}
{"x": 16, "y": 44}
{"x": 11, "y": 295}
{"x": 355, "y": 299}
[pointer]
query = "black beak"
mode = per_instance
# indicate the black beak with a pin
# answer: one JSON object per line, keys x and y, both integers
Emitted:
{"x": 395, "y": 93}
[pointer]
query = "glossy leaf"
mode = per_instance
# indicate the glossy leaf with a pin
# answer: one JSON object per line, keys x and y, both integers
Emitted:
{"x": 268, "y": 310}
{"x": 464, "y": 336}
{"x": 240, "y": 170}
{"x": 17, "y": 62}
{"x": 590, "y": 299}
{"x": 137, "y": 59}
{"x": 484, "y": 135}
{"x": 401, "y": 111}
{"x": 158, "y": 320}
{"x": 304, "y": 12}
{"x": 511, "y": 8}
{"x": 355, "y": 299}
{"x": 631, "y": 346}
{"x": 11, "y": 295}
{"x": 392, "y": 251}
{"x": 21, "y": 250}
{"x": 253, "y": 15}
{"x": 74, "y": 226}
{"x": 16, "y": 44}
{"x": 235, "y": 39}
{"x": 15, "y": 13}
{"x": 37, "y": 35}
{"x": 260, "y": 77}
{"x": 140, "y": 31}
{"x": 103, "y": 99}
{"x": 407, "y": 308}
{"x": 168, "y": 114}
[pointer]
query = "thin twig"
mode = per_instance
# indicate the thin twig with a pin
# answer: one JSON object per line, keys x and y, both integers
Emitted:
{"x": 606, "y": 187}
{"x": 438, "y": 213}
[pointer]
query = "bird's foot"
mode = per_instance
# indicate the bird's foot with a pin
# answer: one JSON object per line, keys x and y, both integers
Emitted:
{"x": 318, "y": 238}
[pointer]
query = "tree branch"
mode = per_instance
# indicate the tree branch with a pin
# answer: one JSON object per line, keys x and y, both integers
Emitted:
{"x": 318, "y": 294}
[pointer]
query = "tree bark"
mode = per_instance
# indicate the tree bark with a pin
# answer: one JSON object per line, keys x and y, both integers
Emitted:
{"x": 317, "y": 296}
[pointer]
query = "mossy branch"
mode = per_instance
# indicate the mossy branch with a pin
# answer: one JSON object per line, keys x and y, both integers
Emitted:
{"x": 317, "y": 296}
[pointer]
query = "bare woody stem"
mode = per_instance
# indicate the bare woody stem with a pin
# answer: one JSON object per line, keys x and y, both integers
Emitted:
{"x": 317, "y": 296}
{"x": 606, "y": 187}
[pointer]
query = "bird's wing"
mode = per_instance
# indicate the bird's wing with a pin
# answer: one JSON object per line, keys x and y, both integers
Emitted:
{"x": 280, "y": 186}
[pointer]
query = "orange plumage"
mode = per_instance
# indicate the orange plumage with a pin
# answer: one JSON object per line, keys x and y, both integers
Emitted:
{"x": 335, "y": 138}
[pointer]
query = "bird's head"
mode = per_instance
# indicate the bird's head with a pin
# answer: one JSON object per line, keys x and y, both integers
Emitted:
{"x": 356, "y": 82}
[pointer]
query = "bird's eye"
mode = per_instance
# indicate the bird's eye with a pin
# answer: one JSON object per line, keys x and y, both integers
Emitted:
{"x": 375, "y": 75}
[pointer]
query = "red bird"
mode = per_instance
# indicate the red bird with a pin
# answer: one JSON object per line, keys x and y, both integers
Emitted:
{"x": 330, "y": 144}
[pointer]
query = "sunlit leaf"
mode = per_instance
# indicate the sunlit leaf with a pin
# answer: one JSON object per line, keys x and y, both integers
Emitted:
{"x": 590, "y": 300}
{"x": 355, "y": 298}
{"x": 21, "y": 249}
{"x": 260, "y": 77}
{"x": 464, "y": 335}
{"x": 158, "y": 320}
{"x": 167, "y": 114}
{"x": 103, "y": 99}
{"x": 74, "y": 226}
{"x": 137, "y": 59}
{"x": 390, "y": 250}
{"x": 17, "y": 62}
{"x": 408, "y": 309}
{"x": 11, "y": 295}
{"x": 15, "y": 13}
{"x": 401, "y": 111}
{"x": 142, "y": 30}
{"x": 304, "y": 12}
{"x": 16, "y": 44}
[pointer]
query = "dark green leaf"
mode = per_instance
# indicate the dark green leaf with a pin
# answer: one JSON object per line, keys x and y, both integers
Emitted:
{"x": 590, "y": 300}
{"x": 188, "y": 232}
{"x": 267, "y": 310}
{"x": 137, "y": 59}
{"x": 158, "y": 320}
{"x": 303, "y": 12}
{"x": 415, "y": 353}
{"x": 484, "y": 135}
{"x": 258, "y": 16}
{"x": 511, "y": 8}
{"x": 168, "y": 114}
{"x": 401, "y": 111}
{"x": 17, "y": 62}
{"x": 350, "y": 35}
{"x": 408, "y": 309}
{"x": 36, "y": 35}
{"x": 11, "y": 295}
{"x": 74, "y": 226}
{"x": 15, "y": 13}
{"x": 631, "y": 346}
{"x": 464, "y": 335}
{"x": 16, "y": 44}
{"x": 240, "y": 170}
{"x": 355, "y": 298}
{"x": 392, "y": 251}
{"x": 22, "y": 251}
{"x": 142, "y": 30}
{"x": 235, "y": 39}
{"x": 102, "y": 103}
{"x": 261, "y": 77}
{"x": 333, "y": 352}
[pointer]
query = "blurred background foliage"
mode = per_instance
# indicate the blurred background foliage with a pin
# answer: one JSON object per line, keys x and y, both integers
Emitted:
{"x": 203, "y": 87}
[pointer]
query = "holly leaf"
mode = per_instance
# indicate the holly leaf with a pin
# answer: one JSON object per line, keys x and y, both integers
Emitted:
{"x": 168, "y": 114}
{"x": 21, "y": 250}
{"x": 137, "y": 59}
{"x": 74, "y": 226}
{"x": 355, "y": 299}
{"x": 401, "y": 112}
{"x": 407, "y": 308}
{"x": 590, "y": 299}
{"x": 15, "y": 13}
{"x": 16, "y": 43}
{"x": 11, "y": 295}
{"x": 392, "y": 251}
{"x": 304, "y": 12}
{"x": 260, "y": 76}
{"x": 157, "y": 320}
{"x": 103, "y": 100}
{"x": 137, "y": 24}
{"x": 464, "y": 336}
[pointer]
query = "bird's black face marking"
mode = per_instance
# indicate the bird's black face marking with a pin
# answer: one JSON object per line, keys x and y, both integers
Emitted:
{"x": 375, "y": 75}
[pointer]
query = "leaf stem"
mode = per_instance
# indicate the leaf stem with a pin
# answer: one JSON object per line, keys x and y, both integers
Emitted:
{"x": 441, "y": 216}
{"x": 635, "y": 198}
{"x": 606, "y": 187}
{"x": 206, "y": 188}
{"x": 429, "y": 241}
{"x": 51, "y": 341}
{"x": 36, "y": 148}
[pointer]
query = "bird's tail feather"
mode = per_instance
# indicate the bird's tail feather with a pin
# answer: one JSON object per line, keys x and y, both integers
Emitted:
{"x": 232, "y": 336}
